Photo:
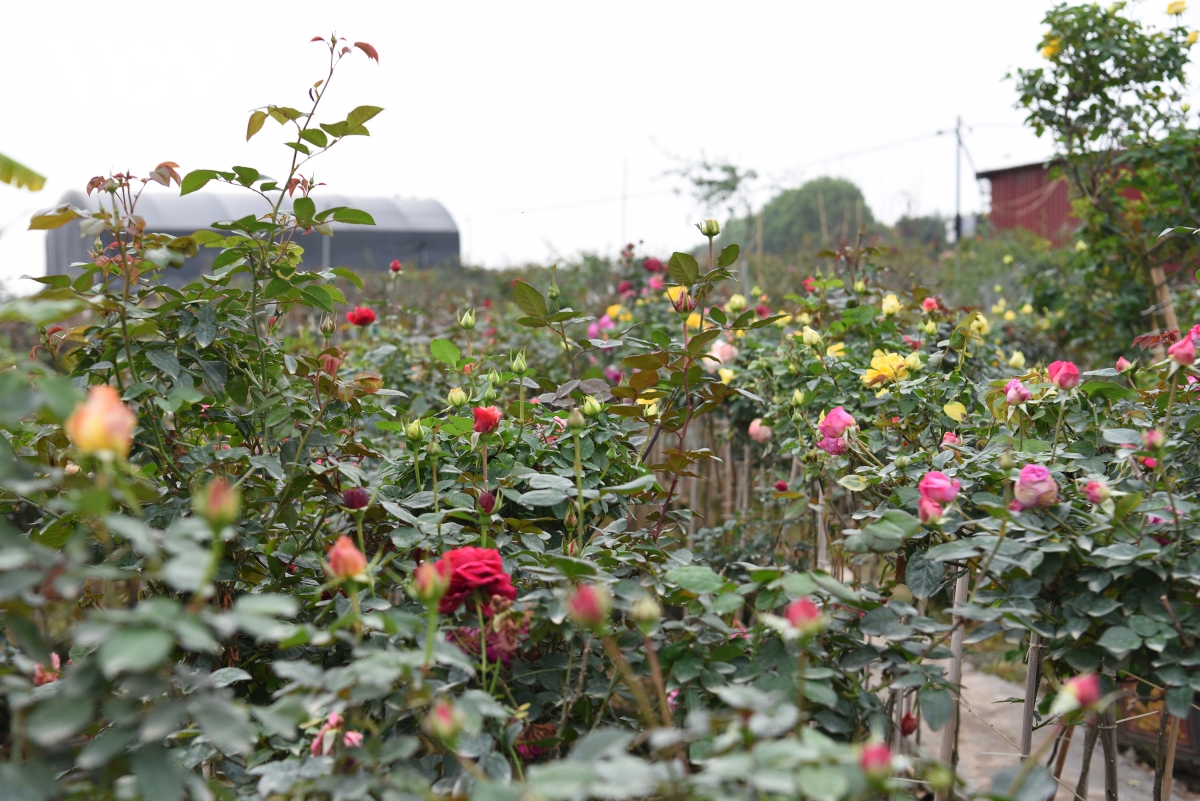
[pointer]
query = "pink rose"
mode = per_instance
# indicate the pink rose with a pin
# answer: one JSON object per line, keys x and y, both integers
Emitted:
{"x": 593, "y": 331}
{"x": 949, "y": 439}
{"x": 938, "y": 486}
{"x": 656, "y": 282}
{"x": 929, "y": 304}
{"x": 835, "y": 422}
{"x": 834, "y": 446}
{"x": 1064, "y": 375}
{"x": 876, "y": 761}
{"x": 1123, "y": 364}
{"x": 804, "y": 615}
{"x": 1035, "y": 487}
{"x": 1183, "y": 351}
{"x": 352, "y": 739}
{"x": 929, "y": 511}
{"x": 1016, "y": 393}
{"x": 758, "y": 432}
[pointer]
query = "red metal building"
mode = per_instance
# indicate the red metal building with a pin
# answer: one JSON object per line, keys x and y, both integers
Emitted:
{"x": 1027, "y": 197}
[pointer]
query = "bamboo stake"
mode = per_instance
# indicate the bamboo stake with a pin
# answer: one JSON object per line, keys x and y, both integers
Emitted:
{"x": 949, "y": 753}
{"x": 1169, "y": 769}
{"x": 1089, "y": 746}
{"x": 1032, "y": 676}
{"x": 1107, "y": 725}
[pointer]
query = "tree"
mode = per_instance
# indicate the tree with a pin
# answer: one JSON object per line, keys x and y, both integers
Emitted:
{"x": 1110, "y": 99}
{"x": 821, "y": 212}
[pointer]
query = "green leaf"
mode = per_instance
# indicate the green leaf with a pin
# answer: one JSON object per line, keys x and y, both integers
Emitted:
{"x": 729, "y": 254}
{"x": 936, "y": 706}
{"x": 20, "y": 176}
{"x": 255, "y": 124}
{"x": 195, "y": 180}
{"x": 922, "y": 576}
{"x": 134, "y": 650}
{"x": 349, "y": 275}
{"x": 683, "y": 268}
{"x": 445, "y": 351}
{"x": 58, "y": 719}
{"x": 697, "y": 579}
{"x": 1126, "y": 504}
{"x": 530, "y": 300}
{"x": 1179, "y": 701}
{"x": 352, "y": 217}
{"x": 543, "y": 497}
{"x": 55, "y": 217}
{"x": 165, "y": 361}
{"x": 853, "y": 482}
{"x": 1119, "y": 641}
{"x": 358, "y": 116}
{"x": 315, "y": 136}
{"x": 157, "y": 774}
{"x": 205, "y": 330}
{"x": 304, "y": 208}
{"x": 822, "y": 782}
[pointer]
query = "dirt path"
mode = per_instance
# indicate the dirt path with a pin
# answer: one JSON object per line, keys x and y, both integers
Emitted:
{"x": 984, "y": 751}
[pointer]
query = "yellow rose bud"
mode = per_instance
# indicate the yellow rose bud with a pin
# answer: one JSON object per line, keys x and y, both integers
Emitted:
{"x": 726, "y": 375}
{"x": 1017, "y": 360}
{"x": 1191, "y": 40}
{"x": 797, "y": 397}
{"x": 102, "y": 425}
{"x": 811, "y": 337}
{"x": 457, "y": 397}
{"x": 709, "y": 228}
{"x": 913, "y": 361}
{"x": 467, "y": 321}
{"x": 736, "y": 304}
{"x": 591, "y": 406}
{"x": 890, "y": 304}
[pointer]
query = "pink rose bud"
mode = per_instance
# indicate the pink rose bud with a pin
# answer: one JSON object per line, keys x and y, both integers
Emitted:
{"x": 1079, "y": 692}
{"x": 1064, "y": 375}
{"x": 444, "y": 722}
{"x": 929, "y": 304}
{"x": 1183, "y": 351}
{"x": 876, "y": 761}
{"x": 938, "y": 486}
{"x": 431, "y": 580}
{"x": 1097, "y": 491}
{"x": 219, "y": 503}
{"x": 1153, "y": 439}
{"x": 929, "y": 511}
{"x": 950, "y": 438}
{"x": 345, "y": 560}
{"x": 1035, "y": 487}
{"x": 352, "y": 739}
{"x": 1124, "y": 365}
{"x": 589, "y": 607}
{"x": 805, "y": 616}
{"x": 758, "y": 432}
{"x": 43, "y": 675}
{"x": 1016, "y": 393}
{"x": 356, "y": 498}
{"x": 331, "y": 362}
{"x": 781, "y": 486}
{"x": 835, "y": 422}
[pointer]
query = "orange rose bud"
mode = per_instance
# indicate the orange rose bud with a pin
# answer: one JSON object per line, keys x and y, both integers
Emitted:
{"x": 102, "y": 424}
{"x": 219, "y": 503}
{"x": 431, "y": 581}
{"x": 345, "y": 560}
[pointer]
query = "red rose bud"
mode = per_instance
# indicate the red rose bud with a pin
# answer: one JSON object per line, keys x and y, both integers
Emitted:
{"x": 444, "y": 722}
{"x": 1064, "y": 375}
{"x": 876, "y": 761}
{"x": 805, "y": 616}
{"x": 684, "y": 302}
{"x": 396, "y": 266}
{"x": 431, "y": 581}
{"x": 487, "y": 502}
{"x": 781, "y": 486}
{"x": 345, "y": 560}
{"x": 762, "y": 310}
{"x": 589, "y": 607}
{"x": 219, "y": 503}
{"x": 908, "y": 724}
{"x": 487, "y": 418}
{"x": 356, "y": 498}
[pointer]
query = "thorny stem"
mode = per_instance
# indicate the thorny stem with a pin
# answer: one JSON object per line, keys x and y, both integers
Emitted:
{"x": 579, "y": 491}
{"x": 483, "y": 660}
{"x": 631, "y": 681}
{"x": 659, "y": 687}
{"x": 431, "y": 634}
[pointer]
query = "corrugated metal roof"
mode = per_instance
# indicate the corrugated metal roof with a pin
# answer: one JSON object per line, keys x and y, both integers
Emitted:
{"x": 199, "y": 210}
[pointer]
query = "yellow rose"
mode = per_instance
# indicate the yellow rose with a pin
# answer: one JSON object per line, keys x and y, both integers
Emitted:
{"x": 999, "y": 306}
{"x": 885, "y": 367}
{"x": 890, "y": 304}
{"x": 1052, "y": 47}
{"x": 624, "y": 317}
{"x": 1176, "y": 8}
{"x": 783, "y": 321}
{"x": 980, "y": 325}
{"x": 836, "y": 350}
{"x": 810, "y": 337}
{"x": 614, "y": 311}
{"x": 1081, "y": 246}
{"x": 913, "y": 361}
{"x": 804, "y": 318}
{"x": 1192, "y": 37}
{"x": 1017, "y": 360}
{"x": 693, "y": 320}
{"x": 1027, "y": 308}
{"x": 1008, "y": 259}
{"x": 726, "y": 375}
{"x": 102, "y": 424}
{"x": 1010, "y": 315}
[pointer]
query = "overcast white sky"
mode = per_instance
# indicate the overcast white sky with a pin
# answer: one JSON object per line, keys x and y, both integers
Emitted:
{"x": 524, "y": 118}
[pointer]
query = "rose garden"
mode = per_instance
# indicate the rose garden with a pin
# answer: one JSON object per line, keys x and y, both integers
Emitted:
{"x": 640, "y": 532}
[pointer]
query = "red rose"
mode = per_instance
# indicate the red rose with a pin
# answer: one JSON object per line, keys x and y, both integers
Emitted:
{"x": 810, "y": 284}
{"x": 474, "y": 569}
{"x": 395, "y": 266}
{"x": 356, "y": 498}
{"x": 486, "y": 419}
{"x": 361, "y": 315}
{"x": 652, "y": 265}
{"x": 781, "y": 486}
{"x": 762, "y": 310}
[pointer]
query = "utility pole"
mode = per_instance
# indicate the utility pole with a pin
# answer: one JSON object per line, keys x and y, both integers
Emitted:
{"x": 958, "y": 226}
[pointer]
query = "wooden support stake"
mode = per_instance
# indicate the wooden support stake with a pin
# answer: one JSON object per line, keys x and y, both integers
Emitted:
{"x": 1032, "y": 679}
{"x": 949, "y": 753}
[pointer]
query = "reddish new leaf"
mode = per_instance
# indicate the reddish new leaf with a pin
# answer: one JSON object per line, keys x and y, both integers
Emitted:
{"x": 317, "y": 39}
{"x": 369, "y": 50}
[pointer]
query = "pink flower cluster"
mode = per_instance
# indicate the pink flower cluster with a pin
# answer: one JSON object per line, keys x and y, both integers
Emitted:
{"x": 833, "y": 427}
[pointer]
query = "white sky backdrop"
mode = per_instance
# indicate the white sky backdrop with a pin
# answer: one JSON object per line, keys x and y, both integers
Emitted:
{"x": 523, "y": 118}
